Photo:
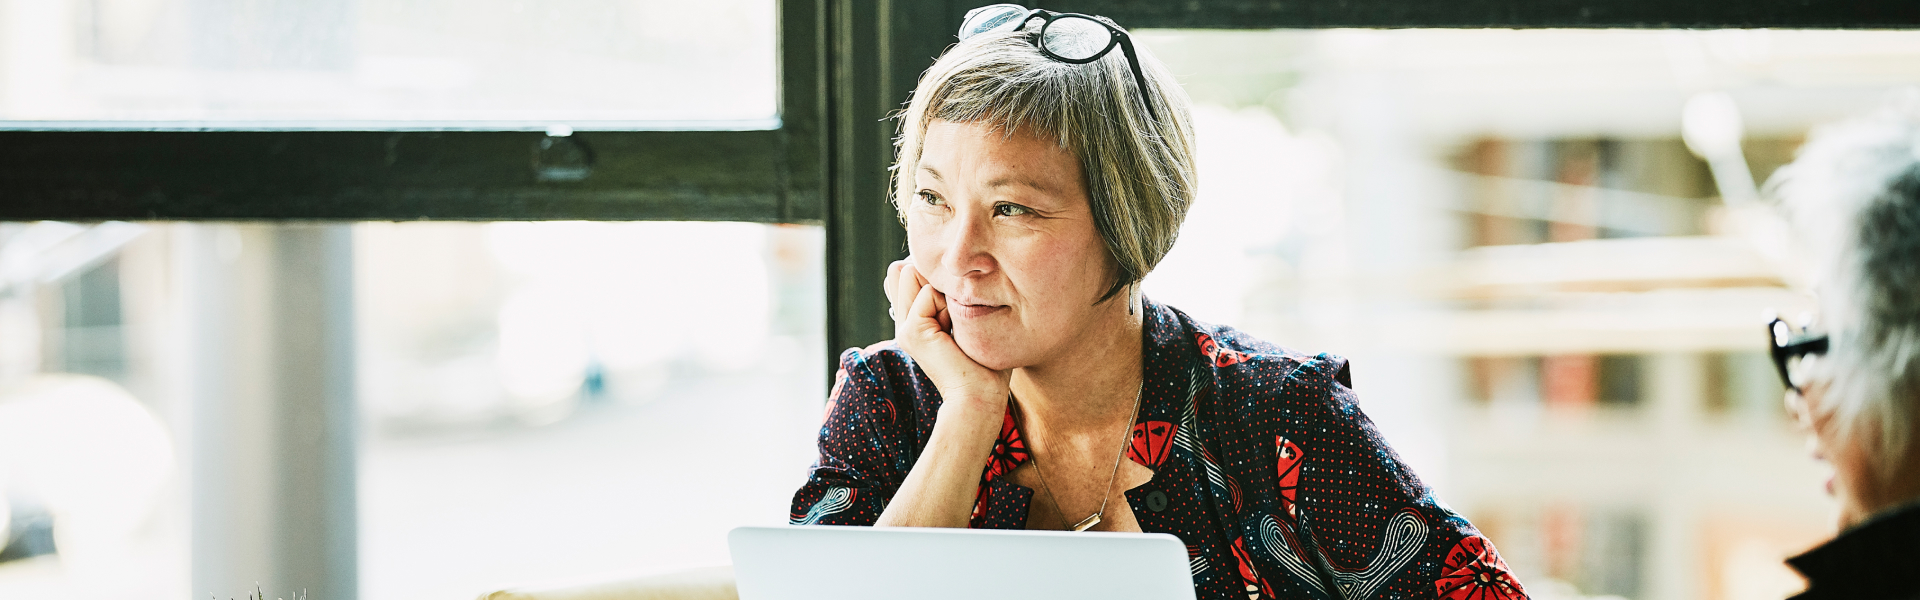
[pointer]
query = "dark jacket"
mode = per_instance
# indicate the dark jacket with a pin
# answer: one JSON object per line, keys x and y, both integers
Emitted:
{"x": 1875, "y": 560}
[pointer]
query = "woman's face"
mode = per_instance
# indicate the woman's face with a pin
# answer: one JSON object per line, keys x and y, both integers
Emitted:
{"x": 1002, "y": 226}
{"x": 1855, "y": 484}
{"x": 1849, "y": 464}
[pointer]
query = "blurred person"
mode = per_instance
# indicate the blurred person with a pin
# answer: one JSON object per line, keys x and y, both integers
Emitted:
{"x": 1853, "y": 381}
{"x": 1041, "y": 175}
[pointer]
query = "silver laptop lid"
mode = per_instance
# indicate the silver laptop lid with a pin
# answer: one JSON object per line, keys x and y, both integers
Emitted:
{"x": 862, "y": 563}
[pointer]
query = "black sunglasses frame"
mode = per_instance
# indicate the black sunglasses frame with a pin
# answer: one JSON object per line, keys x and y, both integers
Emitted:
{"x": 1118, "y": 37}
{"x": 1792, "y": 347}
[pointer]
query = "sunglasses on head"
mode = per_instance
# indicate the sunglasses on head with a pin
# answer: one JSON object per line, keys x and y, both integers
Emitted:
{"x": 1071, "y": 38}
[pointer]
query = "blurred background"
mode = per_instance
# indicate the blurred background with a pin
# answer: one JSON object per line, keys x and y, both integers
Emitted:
{"x": 1537, "y": 246}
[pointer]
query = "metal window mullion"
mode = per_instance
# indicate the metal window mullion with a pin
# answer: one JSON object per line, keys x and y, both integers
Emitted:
{"x": 359, "y": 175}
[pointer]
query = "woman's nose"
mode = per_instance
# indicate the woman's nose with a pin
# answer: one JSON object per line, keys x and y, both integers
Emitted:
{"x": 969, "y": 244}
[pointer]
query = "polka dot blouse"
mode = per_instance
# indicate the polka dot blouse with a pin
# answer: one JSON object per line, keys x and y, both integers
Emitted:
{"x": 1263, "y": 464}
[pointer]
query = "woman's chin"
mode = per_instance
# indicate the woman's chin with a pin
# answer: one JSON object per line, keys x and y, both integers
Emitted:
{"x": 989, "y": 351}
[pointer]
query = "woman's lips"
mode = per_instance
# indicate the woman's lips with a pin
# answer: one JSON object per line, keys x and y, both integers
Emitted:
{"x": 1819, "y": 455}
{"x": 973, "y": 311}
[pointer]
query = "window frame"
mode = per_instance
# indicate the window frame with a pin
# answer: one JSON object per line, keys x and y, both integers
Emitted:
{"x": 715, "y": 173}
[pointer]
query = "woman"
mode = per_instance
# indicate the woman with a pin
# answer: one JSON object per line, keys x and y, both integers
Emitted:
{"x": 1029, "y": 384}
{"x": 1853, "y": 195}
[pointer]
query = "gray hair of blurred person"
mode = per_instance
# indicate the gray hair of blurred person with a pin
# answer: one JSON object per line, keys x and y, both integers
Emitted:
{"x": 1139, "y": 172}
{"x": 1853, "y": 197}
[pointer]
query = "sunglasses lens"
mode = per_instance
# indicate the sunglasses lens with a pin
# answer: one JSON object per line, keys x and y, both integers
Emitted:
{"x": 1076, "y": 38}
{"x": 990, "y": 18}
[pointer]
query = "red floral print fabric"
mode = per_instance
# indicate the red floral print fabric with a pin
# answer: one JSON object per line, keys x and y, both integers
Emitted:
{"x": 1288, "y": 482}
{"x": 1473, "y": 571}
{"x": 1152, "y": 441}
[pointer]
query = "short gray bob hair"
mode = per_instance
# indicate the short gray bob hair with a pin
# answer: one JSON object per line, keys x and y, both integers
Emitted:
{"x": 1139, "y": 172}
{"x": 1853, "y": 197}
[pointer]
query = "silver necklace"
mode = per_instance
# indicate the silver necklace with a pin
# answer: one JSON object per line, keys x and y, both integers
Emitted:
{"x": 1093, "y": 519}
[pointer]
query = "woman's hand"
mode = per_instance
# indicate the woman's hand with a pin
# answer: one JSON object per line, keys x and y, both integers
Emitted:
{"x": 922, "y": 327}
{"x": 940, "y": 490}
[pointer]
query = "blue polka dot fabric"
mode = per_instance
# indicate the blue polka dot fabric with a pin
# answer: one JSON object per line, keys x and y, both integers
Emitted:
{"x": 1263, "y": 464}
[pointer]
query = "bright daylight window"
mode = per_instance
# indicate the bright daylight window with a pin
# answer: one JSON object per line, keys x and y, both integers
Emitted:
{"x": 412, "y": 64}
{"x": 530, "y": 393}
{"x": 535, "y": 397}
{"x": 555, "y": 400}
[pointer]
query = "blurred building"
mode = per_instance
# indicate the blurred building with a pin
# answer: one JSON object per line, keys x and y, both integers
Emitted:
{"x": 1552, "y": 313}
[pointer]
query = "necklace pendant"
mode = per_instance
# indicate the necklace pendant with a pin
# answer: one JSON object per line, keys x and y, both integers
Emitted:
{"x": 1087, "y": 523}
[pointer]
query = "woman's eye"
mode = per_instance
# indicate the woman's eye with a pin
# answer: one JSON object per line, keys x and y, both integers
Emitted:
{"x": 930, "y": 199}
{"x": 1011, "y": 210}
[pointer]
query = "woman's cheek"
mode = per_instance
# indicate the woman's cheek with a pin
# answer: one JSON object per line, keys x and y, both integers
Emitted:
{"x": 920, "y": 246}
{"x": 1053, "y": 277}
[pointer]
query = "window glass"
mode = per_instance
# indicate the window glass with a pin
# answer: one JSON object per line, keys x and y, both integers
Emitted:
{"x": 90, "y": 464}
{"x": 537, "y": 402}
{"x": 551, "y": 401}
{"x": 404, "y": 64}
{"x": 1551, "y": 313}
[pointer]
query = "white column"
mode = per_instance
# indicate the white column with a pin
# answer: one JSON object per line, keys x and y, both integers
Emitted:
{"x": 1676, "y": 384}
{"x": 270, "y": 316}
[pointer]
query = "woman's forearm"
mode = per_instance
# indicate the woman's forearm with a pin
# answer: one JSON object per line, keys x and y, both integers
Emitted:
{"x": 939, "y": 491}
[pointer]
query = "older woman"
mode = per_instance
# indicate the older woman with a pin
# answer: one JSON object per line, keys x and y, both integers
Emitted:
{"x": 1030, "y": 385}
{"x": 1854, "y": 197}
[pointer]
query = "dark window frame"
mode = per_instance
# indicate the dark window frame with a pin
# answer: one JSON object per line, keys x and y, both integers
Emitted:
{"x": 844, "y": 66}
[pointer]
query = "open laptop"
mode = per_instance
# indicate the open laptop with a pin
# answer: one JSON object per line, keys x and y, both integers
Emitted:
{"x": 861, "y": 563}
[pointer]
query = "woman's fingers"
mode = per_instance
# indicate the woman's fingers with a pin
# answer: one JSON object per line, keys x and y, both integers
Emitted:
{"x": 905, "y": 289}
{"x": 940, "y": 310}
{"x": 920, "y": 327}
{"x": 926, "y": 340}
{"x": 925, "y": 303}
{"x": 891, "y": 287}
{"x": 919, "y": 280}
{"x": 909, "y": 282}
{"x": 954, "y": 373}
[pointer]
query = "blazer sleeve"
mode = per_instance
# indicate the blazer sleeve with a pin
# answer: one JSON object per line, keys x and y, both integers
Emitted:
{"x": 863, "y": 441}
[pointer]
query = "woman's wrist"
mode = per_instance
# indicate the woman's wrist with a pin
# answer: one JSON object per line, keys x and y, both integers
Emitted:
{"x": 938, "y": 492}
{"x": 982, "y": 408}
{"x": 970, "y": 423}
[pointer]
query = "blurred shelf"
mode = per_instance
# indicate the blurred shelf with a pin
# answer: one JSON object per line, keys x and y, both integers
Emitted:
{"x": 1612, "y": 265}
{"x": 1627, "y": 458}
{"x": 1699, "y": 320}
{"x": 1625, "y": 296}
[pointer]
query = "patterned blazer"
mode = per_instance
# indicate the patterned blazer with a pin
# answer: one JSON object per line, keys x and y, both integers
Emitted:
{"x": 1263, "y": 464}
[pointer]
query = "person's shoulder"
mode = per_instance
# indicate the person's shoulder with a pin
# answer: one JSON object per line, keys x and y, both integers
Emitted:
{"x": 1263, "y": 385}
{"x": 1238, "y": 357}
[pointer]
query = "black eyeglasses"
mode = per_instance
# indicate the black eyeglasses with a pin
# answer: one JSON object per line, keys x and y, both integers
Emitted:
{"x": 1789, "y": 345}
{"x": 1071, "y": 38}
